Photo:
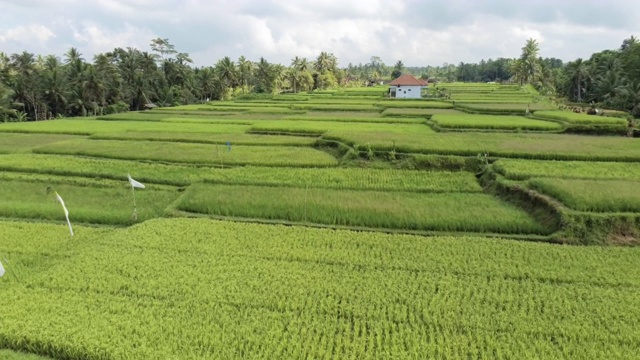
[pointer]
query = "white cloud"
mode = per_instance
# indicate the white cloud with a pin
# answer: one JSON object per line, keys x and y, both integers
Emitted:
{"x": 26, "y": 34}
{"x": 97, "y": 39}
{"x": 418, "y": 32}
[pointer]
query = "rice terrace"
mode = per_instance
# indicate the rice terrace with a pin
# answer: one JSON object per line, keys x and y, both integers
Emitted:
{"x": 317, "y": 217}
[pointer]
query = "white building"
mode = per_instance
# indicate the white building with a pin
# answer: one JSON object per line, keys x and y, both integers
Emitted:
{"x": 407, "y": 87}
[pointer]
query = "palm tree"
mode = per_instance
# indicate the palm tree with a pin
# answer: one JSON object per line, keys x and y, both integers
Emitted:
{"x": 110, "y": 75}
{"x": 530, "y": 64}
{"x": 632, "y": 92}
{"x": 25, "y": 82}
{"x": 245, "y": 71}
{"x": 265, "y": 77}
{"x": 579, "y": 72}
{"x": 323, "y": 63}
{"x": 304, "y": 65}
{"x": 73, "y": 55}
{"x": 610, "y": 89}
{"x": 207, "y": 82}
{"x": 226, "y": 71}
{"x": 94, "y": 89}
{"x": 55, "y": 86}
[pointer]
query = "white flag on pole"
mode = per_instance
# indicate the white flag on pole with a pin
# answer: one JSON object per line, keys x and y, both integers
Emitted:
{"x": 135, "y": 184}
{"x": 66, "y": 212}
{"x": 1, "y": 270}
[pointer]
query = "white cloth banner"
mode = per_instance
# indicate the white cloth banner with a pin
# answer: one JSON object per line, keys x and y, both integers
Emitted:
{"x": 1, "y": 270}
{"x": 66, "y": 212}
{"x": 135, "y": 184}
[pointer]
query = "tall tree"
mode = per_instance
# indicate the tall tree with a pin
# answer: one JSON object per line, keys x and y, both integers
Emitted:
{"x": 163, "y": 47}
{"x": 529, "y": 61}
{"x": 245, "y": 72}
{"x": 397, "y": 69}
{"x": 226, "y": 72}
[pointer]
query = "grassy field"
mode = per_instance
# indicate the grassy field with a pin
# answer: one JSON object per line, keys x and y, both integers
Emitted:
{"x": 88, "y": 127}
{"x": 524, "y": 169}
{"x": 174, "y": 152}
{"x": 97, "y": 205}
{"x": 331, "y": 178}
{"x": 294, "y": 242}
{"x": 527, "y": 146}
{"x": 12, "y": 355}
{"x": 320, "y": 127}
{"x": 402, "y": 112}
{"x": 592, "y": 195}
{"x": 189, "y": 289}
{"x": 579, "y": 118}
{"x": 466, "y": 121}
{"x": 207, "y": 138}
{"x": 412, "y": 211}
{"x": 498, "y": 106}
{"x": 16, "y": 143}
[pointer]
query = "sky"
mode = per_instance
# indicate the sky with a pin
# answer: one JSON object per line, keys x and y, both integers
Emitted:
{"x": 418, "y": 32}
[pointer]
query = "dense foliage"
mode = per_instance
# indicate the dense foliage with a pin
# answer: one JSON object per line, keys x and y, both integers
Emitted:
{"x": 42, "y": 87}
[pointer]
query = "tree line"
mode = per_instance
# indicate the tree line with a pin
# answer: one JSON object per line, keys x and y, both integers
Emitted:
{"x": 35, "y": 87}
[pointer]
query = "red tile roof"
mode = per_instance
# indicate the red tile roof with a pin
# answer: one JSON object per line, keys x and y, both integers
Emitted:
{"x": 408, "y": 80}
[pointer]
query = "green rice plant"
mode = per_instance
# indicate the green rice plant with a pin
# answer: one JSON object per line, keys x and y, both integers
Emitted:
{"x": 241, "y": 290}
{"x": 204, "y": 138}
{"x": 525, "y": 169}
{"x": 526, "y": 146}
{"x": 615, "y": 113}
{"x": 320, "y": 127}
{"x": 97, "y": 205}
{"x": 592, "y": 195}
{"x": 332, "y": 107}
{"x": 43, "y": 177}
{"x": 466, "y": 121}
{"x": 241, "y": 104}
{"x": 289, "y": 97}
{"x": 579, "y": 119}
{"x": 310, "y": 115}
{"x": 16, "y": 143}
{"x": 244, "y": 119}
{"x": 216, "y": 114}
{"x": 414, "y": 104}
{"x": 399, "y": 112}
{"x": 352, "y": 119}
{"x": 393, "y": 210}
{"x": 349, "y": 100}
{"x": 14, "y": 355}
{"x": 138, "y": 115}
{"x": 89, "y": 127}
{"x": 366, "y": 90}
{"x": 192, "y": 107}
{"x": 348, "y": 178}
{"x": 52, "y": 241}
{"x": 268, "y": 110}
{"x": 502, "y": 107}
{"x": 188, "y": 153}
{"x": 153, "y": 172}
{"x": 96, "y": 171}
{"x": 349, "y": 96}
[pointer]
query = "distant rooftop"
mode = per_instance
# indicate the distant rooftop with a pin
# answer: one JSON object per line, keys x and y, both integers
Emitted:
{"x": 408, "y": 80}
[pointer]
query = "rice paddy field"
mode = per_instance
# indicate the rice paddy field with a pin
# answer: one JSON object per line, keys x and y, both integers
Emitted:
{"x": 332, "y": 224}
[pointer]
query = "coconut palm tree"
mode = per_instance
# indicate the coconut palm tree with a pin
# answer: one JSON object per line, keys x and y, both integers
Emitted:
{"x": 529, "y": 62}
{"x": 55, "y": 86}
{"x": 225, "y": 70}
{"x": 245, "y": 72}
{"x": 579, "y": 71}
